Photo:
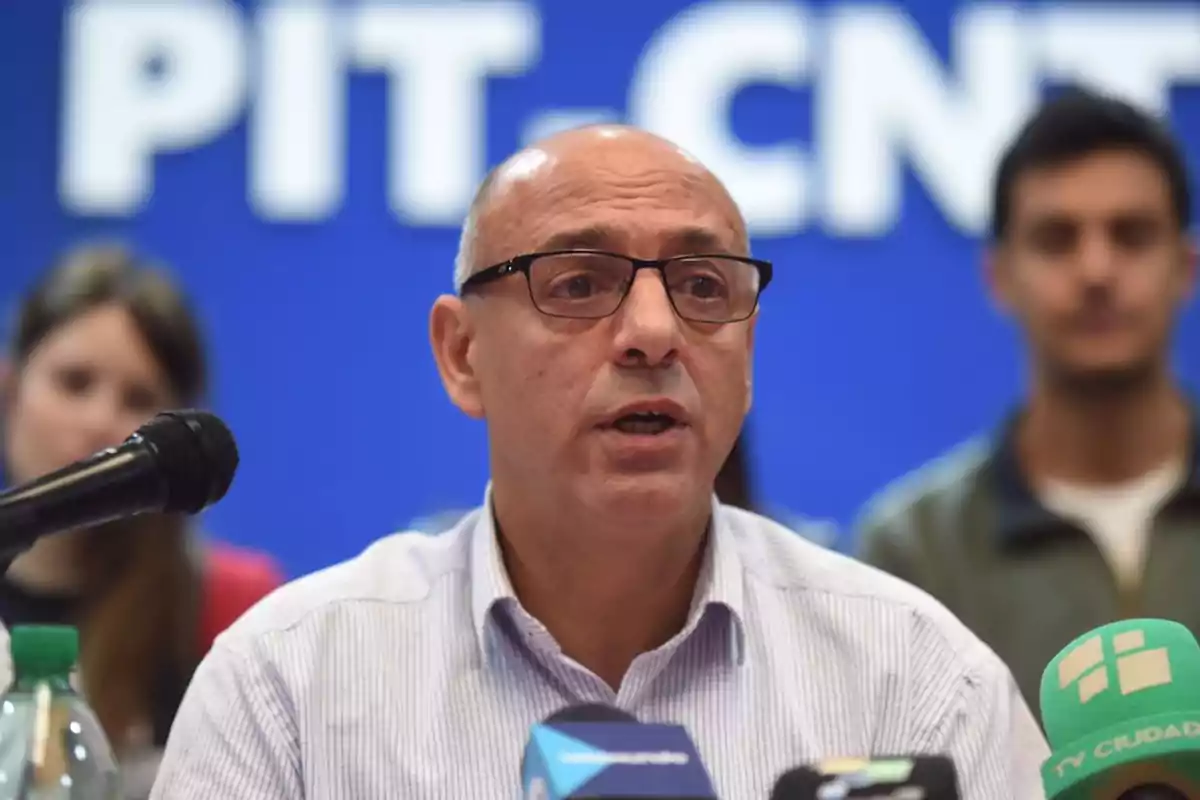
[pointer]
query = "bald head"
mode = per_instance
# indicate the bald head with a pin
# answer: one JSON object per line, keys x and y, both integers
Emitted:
{"x": 633, "y": 288}
{"x": 568, "y": 166}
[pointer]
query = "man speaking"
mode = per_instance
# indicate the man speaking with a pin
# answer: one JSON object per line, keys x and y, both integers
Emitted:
{"x": 603, "y": 327}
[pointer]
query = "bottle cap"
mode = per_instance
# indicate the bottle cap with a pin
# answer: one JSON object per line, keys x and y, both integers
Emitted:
{"x": 44, "y": 651}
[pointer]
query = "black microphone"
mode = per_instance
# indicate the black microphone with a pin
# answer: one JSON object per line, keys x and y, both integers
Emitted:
{"x": 590, "y": 712}
{"x": 178, "y": 462}
{"x": 1153, "y": 791}
{"x": 879, "y": 778}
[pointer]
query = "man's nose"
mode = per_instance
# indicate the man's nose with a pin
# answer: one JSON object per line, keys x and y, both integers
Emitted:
{"x": 1098, "y": 258}
{"x": 648, "y": 329}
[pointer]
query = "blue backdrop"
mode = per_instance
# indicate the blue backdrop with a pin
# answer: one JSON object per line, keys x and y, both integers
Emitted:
{"x": 303, "y": 166}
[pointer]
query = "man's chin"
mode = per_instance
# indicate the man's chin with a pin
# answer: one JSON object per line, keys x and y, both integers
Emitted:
{"x": 653, "y": 494}
{"x": 1102, "y": 376}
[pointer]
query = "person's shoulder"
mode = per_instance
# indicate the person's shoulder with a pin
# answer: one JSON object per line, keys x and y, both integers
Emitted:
{"x": 789, "y": 561}
{"x": 819, "y": 580}
{"x": 399, "y": 570}
{"x": 927, "y": 491}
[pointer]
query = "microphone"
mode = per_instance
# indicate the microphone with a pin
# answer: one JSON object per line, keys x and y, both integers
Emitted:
{"x": 598, "y": 752}
{"x": 178, "y": 462}
{"x": 881, "y": 778}
{"x": 590, "y": 712}
{"x": 583, "y": 712}
{"x": 1121, "y": 709}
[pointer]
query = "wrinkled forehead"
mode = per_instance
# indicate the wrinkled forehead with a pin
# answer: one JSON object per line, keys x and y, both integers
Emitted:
{"x": 646, "y": 205}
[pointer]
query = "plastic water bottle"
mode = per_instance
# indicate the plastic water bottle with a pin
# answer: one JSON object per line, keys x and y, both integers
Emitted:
{"x": 51, "y": 744}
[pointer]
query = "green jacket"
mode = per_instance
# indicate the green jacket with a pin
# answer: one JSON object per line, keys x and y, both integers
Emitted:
{"x": 969, "y": 531}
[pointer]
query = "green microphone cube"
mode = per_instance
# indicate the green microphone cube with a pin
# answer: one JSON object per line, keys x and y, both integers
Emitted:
{"x": 1121, "y": 708}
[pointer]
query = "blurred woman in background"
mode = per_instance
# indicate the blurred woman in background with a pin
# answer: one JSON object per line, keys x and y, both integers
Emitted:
{"x": 101, "y": 345}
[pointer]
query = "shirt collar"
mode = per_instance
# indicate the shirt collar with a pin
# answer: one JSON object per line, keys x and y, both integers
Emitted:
{"x": 1021, "y": 517}
{"x": 720, "y": 588}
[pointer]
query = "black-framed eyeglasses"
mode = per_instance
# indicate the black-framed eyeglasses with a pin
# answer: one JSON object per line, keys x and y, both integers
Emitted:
{"x": 592, "y": 284}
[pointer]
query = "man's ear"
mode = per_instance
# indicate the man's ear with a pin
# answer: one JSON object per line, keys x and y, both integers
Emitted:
{"x": 1188, "y": 270}
{"x": 452, "y": 336}
{"x": 750, "y": 326}
{"x": 8, "y": 383}
{"x": 997, "y": 274}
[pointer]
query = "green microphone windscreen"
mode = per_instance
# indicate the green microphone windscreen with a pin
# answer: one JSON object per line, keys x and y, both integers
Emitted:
{"x": 1121, "y": 709}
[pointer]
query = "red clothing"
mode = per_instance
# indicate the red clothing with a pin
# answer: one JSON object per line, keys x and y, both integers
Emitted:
{"x": 234, "y": 580}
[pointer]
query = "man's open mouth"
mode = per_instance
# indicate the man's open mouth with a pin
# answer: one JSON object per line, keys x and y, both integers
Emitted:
{"x": 645, "y": 423}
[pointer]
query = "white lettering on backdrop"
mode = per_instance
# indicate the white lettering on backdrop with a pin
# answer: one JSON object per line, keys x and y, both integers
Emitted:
{"x": 144, "y": 79}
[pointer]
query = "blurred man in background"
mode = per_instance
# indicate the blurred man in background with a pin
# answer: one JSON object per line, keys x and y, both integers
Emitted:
{"x": 1084, "y": 507}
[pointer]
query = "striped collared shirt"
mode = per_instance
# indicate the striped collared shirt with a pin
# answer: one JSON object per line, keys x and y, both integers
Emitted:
{"x": 412, "y": 672}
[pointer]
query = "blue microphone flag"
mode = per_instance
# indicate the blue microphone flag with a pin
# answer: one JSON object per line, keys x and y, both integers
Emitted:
{"x": 611, "y": 760}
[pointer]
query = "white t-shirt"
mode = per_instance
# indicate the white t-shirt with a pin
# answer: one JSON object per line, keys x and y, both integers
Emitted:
{"x": 1117, "y": 517}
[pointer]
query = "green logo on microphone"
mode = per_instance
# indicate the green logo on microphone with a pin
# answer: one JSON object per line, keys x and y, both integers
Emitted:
{"x": 1121, "y": 707}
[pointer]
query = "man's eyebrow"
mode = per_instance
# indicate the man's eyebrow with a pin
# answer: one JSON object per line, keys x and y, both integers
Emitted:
{"x": 697, "y": 240}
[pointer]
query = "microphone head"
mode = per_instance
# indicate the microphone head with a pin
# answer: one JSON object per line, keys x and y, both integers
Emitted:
{"x": 1121, "y": 709}
{"x": 196, "y": 455}
{"x": 917, "y": 777}
{"x": 1154, "y": 792}
{"x": 600, "y": 752}
{"x": 590, "y": 712}
{"x": 582, "y": 712}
